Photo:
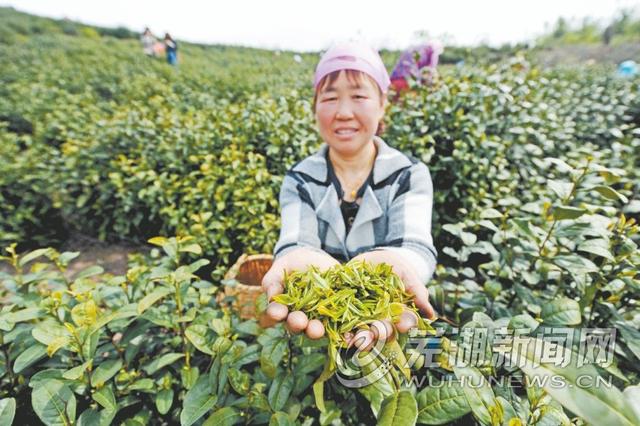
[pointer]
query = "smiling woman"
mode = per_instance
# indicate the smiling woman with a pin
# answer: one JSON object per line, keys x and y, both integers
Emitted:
{"x": 357, "y": 197}
{"x": 348, "y": 111}
{"x": 359, "y": 83}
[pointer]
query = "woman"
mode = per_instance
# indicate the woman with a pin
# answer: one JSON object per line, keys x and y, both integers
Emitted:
{"x": 171, "y": 48}
{"x": 356, "y": 198}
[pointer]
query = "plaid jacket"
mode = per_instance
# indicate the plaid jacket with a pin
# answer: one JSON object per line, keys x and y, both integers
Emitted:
{"x": 395, "y": 213}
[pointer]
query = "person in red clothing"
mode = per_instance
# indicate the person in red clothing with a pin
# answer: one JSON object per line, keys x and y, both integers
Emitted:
{"x": 414, "y": 63}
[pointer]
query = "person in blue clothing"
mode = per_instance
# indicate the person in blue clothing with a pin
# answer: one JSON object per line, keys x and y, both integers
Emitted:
{"x": 171, "y": 49}
{"x": 357, "y": 197}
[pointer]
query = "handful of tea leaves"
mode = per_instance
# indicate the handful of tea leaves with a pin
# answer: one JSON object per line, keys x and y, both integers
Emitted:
{"x": 349, "y": 297}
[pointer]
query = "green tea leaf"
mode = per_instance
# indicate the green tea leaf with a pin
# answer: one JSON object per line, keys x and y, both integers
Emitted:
{"x": 27, "y": 314}
{"x": 32, "y": 256}
{"x": 197, "y": 402}
{"x": 631, "y": 337}
{"x": 280, "y": 390}
{"x": 441, "y": 405}
{"x": 632, "y": 396}
{"x": 398, "y": 409}
{"x": 610, "y": 193}
{"x": 523, "y": 321}
{"x": 575, "y": 264}
{"x": 597, "y": 246}
{"x": 552, "y": 416}
{"x": 158, "y": 241}
{"x": 567, "y": 212}
{"x": 143, "y": 385}
{"x": 29, "y": 357}
{"x": 197, "y": 335}
{"x": 105, "y": 397}
{"x": 240, "y": 381}
{"x": 51, "y": 400}
{"x": 563, "y": 311}
{"x": 105, "y": 371}
{"x": 226, "y": 416}
{"x": 249, "y": 327}
{"x": 163, "y": 361}
{"x": 280, "y": 419}
{"x": 561, "y": 188}
{"x": 490, "y": 214}
{"x": 89, "y": 272}
{"x": 164, "y": 400}
{"x": 153, "y": 297}
{"x": 310, "y": 363}
{"x": 597, "y": 404}
{"x": 271, "y": 355}
{"x": 7, "y": 410}
{"x": 479, "y": 394}
{"x": 221, "y": 326}
{"x": 91, "y": 417}
{"x": 76, "y": 372}
{"x": 561, "y": 165}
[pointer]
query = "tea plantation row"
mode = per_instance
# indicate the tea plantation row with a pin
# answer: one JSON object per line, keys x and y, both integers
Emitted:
{"x": 535, "y": 206}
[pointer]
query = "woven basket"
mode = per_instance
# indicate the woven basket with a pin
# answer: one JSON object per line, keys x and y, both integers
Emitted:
{"x": 248, "y": 272}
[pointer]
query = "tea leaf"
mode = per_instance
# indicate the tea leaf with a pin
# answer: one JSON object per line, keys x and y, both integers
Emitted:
{"x": 398, "y": 409}
{"x": 442, "y": 404}
{"x": 197, "y": 402}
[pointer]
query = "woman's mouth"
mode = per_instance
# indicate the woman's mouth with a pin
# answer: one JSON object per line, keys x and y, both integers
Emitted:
{"x": 346, "y": 132}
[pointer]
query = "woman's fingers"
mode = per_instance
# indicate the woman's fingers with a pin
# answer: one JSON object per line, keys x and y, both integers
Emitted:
{"x": 315, "y": 329}
{"x": 348, "y": 338}
{"x": 407, "y": 321}
{"x": 273, "y": 290}
{"x": 277, "y": 311}
{"x": 381, "y": 329}
{"x": 363, "y": 340}
{"x": 297, "y": 321}
{"x": 421, "y": 299}
{"x": 272, "y": 282}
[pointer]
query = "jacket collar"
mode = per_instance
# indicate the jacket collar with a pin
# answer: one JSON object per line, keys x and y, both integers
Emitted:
{"x": 388, "y": 161}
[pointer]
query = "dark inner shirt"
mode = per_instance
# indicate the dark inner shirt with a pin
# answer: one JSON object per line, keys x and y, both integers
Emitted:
{"x": 349, "y": 209}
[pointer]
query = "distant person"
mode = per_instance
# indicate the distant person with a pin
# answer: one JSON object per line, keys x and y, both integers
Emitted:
{"x": 171, "y": 49}
{"x": 414, "y": 62}
{"x": 148, "y": 41}
{"x": 607, "y": 35}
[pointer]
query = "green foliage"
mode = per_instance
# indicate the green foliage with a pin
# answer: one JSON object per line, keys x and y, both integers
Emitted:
{"x": 623, "y": 28}
{"x": 536, "y": 205}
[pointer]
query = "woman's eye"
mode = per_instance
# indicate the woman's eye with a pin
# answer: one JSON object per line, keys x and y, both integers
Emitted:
{"x": 360, "y": 97}
{"x": 329, "y": 99}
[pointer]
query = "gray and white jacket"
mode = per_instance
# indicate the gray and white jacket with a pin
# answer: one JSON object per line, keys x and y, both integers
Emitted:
{"x": 395, "y": 213}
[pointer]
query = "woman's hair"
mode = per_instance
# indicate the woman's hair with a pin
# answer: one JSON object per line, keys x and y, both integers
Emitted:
{"x": 353, "y": 76}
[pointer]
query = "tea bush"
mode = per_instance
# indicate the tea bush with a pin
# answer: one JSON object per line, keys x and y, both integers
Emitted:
{"x": 536, "y": 206}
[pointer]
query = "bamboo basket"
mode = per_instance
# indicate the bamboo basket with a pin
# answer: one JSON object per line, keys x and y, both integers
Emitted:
{"x": 248, "y": 272}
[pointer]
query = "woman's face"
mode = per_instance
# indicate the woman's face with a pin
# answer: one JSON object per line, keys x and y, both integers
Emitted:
{"x": 348, "y": 113}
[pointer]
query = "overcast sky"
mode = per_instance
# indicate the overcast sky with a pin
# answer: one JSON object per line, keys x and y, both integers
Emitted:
{"x": 313, "y": 25}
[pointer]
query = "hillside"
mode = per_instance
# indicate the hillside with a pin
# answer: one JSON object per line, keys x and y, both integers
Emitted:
{"x": 534, "y": 207}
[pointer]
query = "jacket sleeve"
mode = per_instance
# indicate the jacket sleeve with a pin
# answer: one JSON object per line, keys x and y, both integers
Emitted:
{"x": 409, "y": 222}
{"x": 299, "y": 222}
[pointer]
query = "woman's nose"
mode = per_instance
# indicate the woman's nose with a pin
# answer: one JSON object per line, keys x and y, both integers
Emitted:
{"x": 344, "y": 110}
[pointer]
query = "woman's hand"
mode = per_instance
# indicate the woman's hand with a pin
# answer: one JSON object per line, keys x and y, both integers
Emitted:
{"x": 406, "y": 273}
{"x": 381, "y": 330}
{"x": 365, "y": 339}
{"x": 296, "y": 260}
